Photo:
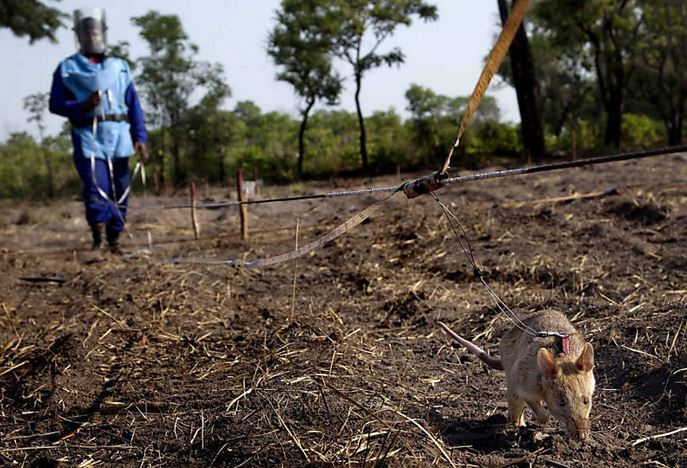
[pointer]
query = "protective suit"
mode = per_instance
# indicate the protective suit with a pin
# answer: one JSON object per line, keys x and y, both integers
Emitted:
{"x": 97, "y": 94}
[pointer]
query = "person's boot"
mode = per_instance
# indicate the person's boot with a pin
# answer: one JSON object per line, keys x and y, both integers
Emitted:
{"x": 113, "y": 241}
{"x": 97, "y": 233}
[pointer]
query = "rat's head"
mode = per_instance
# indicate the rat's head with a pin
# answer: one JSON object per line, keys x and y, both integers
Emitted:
{"x": 568, "y": 386}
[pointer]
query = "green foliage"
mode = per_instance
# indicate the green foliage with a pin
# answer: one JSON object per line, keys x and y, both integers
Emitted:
{"x": 429, "y": 112}
{"x": 266, "y": 142}
{"x": 642, "y": 132}
{"x": 360, "y": 22}
{"x": 168, "y": 76}
{"x": 387, "y": 142}
{"x": 567, "y": 89}
{"x": 300, "y": 44}
{"x": 209, "y": 135}
{"x": 589, "y": 56}
{"x": 31, "y": 18}
{"x": 494, "y": 138}
{"x": 585, "y": 136}
{"x": 332, "y": 143}
{"x": 598, "y": 35}
{"x": 208, "y": 130}
{"x": 121, "y": 49}
{"x": 23, "y": 170}
{"x": 659, "y": 87}
{"x": 434, "y": 122}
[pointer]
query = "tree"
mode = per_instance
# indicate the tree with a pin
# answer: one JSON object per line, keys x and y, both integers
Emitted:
{"x": 662, "y": 63}
{"x": 362, "y": 27}
{"x": 267, "y": 142}
{"x": 388, "y": 141}
{"x": 300, "y": 43}
{"x": 426, "y": 110}
{"x": 334, "y": 136}
{"x": 211, "y": 130}
{"x": 526, "y": 88}
{"x": 167, "y": 79}
{"x": 609, "y": 30}
{"x": 36, "y": 104}
{"x": 121, "y": 49}
{"x": 433, "y": 123}
{"x": 30, "y": 18}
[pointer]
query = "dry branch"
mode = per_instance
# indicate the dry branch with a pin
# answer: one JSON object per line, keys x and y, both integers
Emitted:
{"x": 567, "y": 198}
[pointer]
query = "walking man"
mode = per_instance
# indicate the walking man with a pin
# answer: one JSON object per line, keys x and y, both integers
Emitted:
{"x": 97, "y": 94}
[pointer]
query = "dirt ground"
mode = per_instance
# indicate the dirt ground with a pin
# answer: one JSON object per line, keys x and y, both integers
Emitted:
{"x": 336, "y": 358}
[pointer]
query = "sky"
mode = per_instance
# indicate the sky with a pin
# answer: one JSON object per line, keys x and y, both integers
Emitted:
{"x": 445, "y": 56}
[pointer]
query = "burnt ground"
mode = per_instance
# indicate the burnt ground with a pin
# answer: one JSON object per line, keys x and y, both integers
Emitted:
{"x": 336, "y": 359}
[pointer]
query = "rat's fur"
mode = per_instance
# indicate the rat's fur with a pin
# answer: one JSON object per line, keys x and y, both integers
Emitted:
{"x": 538, "y": 372}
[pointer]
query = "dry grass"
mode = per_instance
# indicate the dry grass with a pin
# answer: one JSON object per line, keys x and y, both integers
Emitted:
{"x": 338, "y": 361}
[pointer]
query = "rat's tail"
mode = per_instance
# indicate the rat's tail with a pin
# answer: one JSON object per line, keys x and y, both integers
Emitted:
{"x": 474, "y": 349}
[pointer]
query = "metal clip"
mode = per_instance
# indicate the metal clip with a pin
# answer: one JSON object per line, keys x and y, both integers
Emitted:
{"x": 544, "y": 334}
{"x": 430, "y": 183}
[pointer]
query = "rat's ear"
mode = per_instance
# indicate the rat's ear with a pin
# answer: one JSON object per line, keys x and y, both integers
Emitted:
{"x": 546, "y": 362}
{"x": 586, "y": 360}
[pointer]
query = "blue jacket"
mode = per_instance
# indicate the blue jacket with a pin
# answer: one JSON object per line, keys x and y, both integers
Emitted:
{"x": 75, "y": 79}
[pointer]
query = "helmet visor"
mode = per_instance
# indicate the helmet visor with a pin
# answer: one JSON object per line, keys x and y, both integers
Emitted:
{"x": 90, "y": 30}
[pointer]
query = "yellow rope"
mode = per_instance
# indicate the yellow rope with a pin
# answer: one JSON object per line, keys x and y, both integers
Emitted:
{"x": 493, "y": 62}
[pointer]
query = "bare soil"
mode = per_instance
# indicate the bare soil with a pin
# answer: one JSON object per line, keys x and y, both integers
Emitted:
{"x": 336, "y": 358}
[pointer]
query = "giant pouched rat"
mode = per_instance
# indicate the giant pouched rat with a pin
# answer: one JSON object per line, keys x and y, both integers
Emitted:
{"x": 551, "y": 370}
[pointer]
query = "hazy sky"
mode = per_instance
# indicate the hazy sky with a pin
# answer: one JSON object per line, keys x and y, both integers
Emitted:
{"x": 446, "y": 55}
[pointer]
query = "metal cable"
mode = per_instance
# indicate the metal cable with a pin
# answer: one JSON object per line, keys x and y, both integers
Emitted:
{"x": 451, "y": 180}
{"x": 503, "y": 308}
{"x": 469, "y": 253}
{"x": 344, "y": 227}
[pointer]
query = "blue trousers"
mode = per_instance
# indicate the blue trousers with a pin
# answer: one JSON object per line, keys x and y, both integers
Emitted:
{"x": 98, "y": 209}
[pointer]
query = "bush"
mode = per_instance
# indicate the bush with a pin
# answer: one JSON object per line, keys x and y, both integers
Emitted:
{"x": 588, "y": 139}
{"x": 641, "y": 132}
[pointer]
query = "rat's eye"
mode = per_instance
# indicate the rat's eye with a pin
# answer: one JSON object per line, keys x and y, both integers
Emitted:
{"x": 562, "y": 402}
{"x": 585, "y": 400}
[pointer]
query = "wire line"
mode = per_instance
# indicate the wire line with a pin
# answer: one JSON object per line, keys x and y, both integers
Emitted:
{"x": 453, "y": 180}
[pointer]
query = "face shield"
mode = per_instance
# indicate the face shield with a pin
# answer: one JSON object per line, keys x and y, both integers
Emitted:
{"x": 90, "y": 30}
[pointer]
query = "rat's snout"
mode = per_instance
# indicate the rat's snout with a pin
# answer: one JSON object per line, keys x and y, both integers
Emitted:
{"x": 579, "y": 430}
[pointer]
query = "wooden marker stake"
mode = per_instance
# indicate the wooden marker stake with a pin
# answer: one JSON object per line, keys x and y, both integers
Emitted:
{"x": 194, "y": 216}
{"x": 243, "y": 209}
{"x": 256, "y": 178}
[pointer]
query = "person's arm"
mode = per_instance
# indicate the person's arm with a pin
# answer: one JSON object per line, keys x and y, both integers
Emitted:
{"x": 137, "y": 121}
{"x": 135, "y": 114}
{"x": 63, "y": 102}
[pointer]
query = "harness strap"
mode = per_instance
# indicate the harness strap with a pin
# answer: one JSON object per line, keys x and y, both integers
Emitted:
{"x": 100, "y": 118}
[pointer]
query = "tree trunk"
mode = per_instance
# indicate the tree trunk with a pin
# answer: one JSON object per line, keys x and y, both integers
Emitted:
{"x": 220, "y": 156}
{"x": 573, "y": 134}
{"x": 301, "y": 137}
{"x": 612, "y": 82}
{"x": 675, "y": 128}
{"x": 48, "y": 166}
{"x": 222, "y": 171}
{"x": 526, "y": 88}
{"x": 177, "y": 160}
{"x": 614, "y": 122}
{"x": 161, "y": 154}
{"x": 361, "y": 124}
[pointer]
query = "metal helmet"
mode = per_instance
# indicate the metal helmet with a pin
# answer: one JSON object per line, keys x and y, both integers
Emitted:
{"x": 90, "y": 29}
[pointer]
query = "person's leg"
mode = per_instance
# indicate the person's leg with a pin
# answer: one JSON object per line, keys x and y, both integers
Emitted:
{"x": 117, "y": 222}
{"x": 95, "y": 207}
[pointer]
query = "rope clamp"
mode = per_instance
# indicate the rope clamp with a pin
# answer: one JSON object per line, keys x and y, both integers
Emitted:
{"x": 425, "y": 185}
{"x": 544, "y": 334}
